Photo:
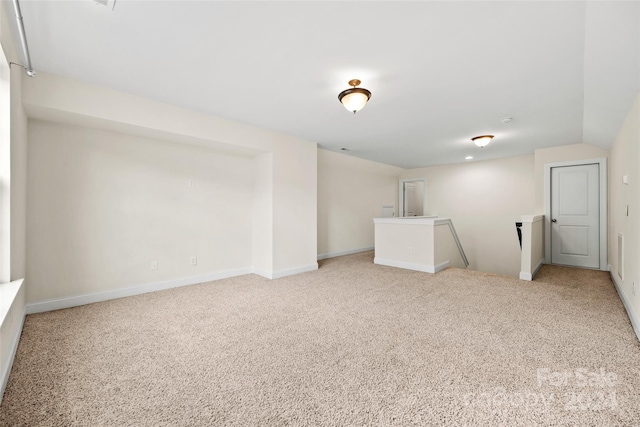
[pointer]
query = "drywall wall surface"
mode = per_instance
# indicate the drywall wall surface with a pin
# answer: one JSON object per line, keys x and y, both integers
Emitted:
{"x": 408, "y": 244}
{"x": 532, "y": 230}
{"x": 5, "y": 170}
{"x": 60, "y": 99}
{"x": 12, "y": 313}
{"x": 12, "y": 295}
{"x": 560, "y": 154}
{"x": 295, "y": 198}
{"x": 102, "y": 206}
{"x": 10, "y": 43}
{"x": 484, "y": 200}
{"x": 68, "y": 101}
{"x": 625, "y": 162}
{"x": 18, "y": 177}
{"x": 351, "y": 192}
{"x": 611, "y": 48}
{"x": 14, "y": 161}
{"x": 445, "y": 248}
{"x": 263, "y": 214}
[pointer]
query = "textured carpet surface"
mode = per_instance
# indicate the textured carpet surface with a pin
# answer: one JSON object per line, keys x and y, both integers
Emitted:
{"x": 350, "y": 344}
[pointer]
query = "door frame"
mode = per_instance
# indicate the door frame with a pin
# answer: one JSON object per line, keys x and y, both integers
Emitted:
{"x": 602, "y": 180}
{"x": 401, "y": 183}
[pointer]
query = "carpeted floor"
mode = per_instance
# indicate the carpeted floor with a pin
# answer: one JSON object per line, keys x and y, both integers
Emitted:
{"x": 351, "y": 344}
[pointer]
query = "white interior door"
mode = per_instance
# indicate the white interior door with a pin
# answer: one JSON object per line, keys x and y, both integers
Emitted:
{"x": 575, "y": 216}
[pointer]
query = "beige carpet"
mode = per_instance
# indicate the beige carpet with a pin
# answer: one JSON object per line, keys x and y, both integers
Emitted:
{"x": 350, "y": 344}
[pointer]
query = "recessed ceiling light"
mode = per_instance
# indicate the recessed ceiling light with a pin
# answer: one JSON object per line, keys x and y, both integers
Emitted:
{"x": 506, "y": 119}
{"x": 469, "y": 158}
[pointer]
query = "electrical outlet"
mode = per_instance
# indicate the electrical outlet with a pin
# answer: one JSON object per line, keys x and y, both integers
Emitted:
{"x": 409, "y": 250}
{"x": 193, "y": 260}
{"x": 192, "y": 183}
{"x": 154, "y": 265}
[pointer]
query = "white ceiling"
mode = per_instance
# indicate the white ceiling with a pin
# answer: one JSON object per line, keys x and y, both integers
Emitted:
{"x": 440, "y": 72}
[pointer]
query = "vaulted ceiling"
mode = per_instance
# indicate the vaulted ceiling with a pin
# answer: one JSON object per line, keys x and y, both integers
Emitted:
{"x": 440, "y": 72}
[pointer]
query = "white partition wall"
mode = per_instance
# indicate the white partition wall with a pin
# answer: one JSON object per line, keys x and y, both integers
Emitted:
{"x": 532, "y": 256}
{"x": 426, "y": 244}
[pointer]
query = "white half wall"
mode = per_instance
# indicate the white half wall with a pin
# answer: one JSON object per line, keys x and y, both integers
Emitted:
{"x": 351, "y": 192}
{"x": 484, "y": 200}
{"x": 532, "y": 254}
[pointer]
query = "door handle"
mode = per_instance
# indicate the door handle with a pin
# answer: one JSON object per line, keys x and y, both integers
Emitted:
{"x": 554, "y": 220}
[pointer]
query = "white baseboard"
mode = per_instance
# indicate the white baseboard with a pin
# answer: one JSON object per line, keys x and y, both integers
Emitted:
{"x": 6, "y": 370}
{"x": 285, "y": 273}
{"x": 526, "y": 276}
{"x": 410, "y": 266}
{"x": 57, "y": 304}
{"x": 635, "y": 321}
{"x": 442, "y": 266}
{"x": 529, "y": 276}
{"x": 538, "y": 267}
{"x": 341, "y": 253}
{"x": 264, "y": 273}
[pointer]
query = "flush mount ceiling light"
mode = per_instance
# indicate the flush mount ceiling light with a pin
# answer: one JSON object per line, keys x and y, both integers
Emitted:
{"x": 482, "y": 140}
{"x": 356, "y": 98}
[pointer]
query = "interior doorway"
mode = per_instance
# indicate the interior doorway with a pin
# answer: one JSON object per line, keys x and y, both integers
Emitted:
{"x": 413, "y": 197}
{"x": 576, "y": 214}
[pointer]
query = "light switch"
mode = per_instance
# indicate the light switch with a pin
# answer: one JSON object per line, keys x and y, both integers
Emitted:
{"x": 625, "y": 179}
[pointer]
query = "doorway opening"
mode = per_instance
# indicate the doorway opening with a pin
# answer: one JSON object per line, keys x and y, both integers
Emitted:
{"x": 413, "y": 197}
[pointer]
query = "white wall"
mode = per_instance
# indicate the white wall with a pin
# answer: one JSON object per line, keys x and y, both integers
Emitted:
{"x": 293, "y": 228}
{"x": 263, "y": 214}
{"x": 484, "y": 200}
{"x": 407, "y": 243}
{"x": 295, "y": 198}
{"x": 18, "y": 176}
{"x": 625, "y": 160}
{"x": 351, "y": 193}
{"x": 5, "y": 170}
{"x": 532, "y": 245}
{"x": 102, "y": 206}
{"x": 12, "y": 313}
{"x": 12, "y": 295}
